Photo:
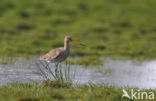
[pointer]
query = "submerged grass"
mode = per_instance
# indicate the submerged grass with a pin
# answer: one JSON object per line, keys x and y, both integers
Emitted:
{"x": 61, "y": 74}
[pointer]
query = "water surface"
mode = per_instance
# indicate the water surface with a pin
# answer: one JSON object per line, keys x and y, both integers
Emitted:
{"x": 113, "y": 73}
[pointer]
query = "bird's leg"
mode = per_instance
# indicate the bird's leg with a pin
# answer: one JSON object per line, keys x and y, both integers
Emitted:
{"x": 60, "y": 73}
{"x": 56, "y": 64}
{"x": 56, "y": 70}
{"x": 42, "y": 73}
{"x": 49, "y": 69}
{"x": 47, "y": 65}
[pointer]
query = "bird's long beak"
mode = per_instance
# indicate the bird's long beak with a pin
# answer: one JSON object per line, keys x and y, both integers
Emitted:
{"x": 78, "y": 43}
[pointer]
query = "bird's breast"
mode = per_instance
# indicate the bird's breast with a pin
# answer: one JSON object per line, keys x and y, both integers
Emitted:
{"x": 67, "y": 53}
{"x": 63, "y": 56}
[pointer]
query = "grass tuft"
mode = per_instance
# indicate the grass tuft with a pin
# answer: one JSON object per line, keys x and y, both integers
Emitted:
{"x": 28, "y": 99}
{"x": 56, "y": 84}
{"x": 56, "y": 75}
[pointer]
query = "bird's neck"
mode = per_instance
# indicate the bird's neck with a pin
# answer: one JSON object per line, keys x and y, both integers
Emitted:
{"x": 66, "y": 45}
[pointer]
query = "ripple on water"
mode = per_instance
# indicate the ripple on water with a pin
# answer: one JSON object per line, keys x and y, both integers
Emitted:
{"x": 113, "y": 72}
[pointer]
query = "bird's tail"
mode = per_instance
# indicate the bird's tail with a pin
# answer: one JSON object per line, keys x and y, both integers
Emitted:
{"x": 42, "y": 58}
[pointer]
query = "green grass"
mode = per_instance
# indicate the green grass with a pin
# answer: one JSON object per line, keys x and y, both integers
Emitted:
{"x": 109, "y": 28}
{"x": 116, "y": 28}
{"x": 33, "y": 92}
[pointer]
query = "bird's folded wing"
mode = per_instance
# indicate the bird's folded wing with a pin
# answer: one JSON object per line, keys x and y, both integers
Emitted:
{"x": 50, "y": 56}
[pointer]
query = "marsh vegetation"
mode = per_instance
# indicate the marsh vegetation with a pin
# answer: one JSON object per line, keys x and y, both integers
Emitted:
{"x": 116, "y": 28}
{"x": 120, "y": 29}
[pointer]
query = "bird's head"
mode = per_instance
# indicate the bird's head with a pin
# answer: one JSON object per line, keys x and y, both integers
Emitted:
{"x": 69, "y": 39}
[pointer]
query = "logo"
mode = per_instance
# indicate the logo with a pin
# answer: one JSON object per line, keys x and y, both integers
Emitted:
{"x": 138, "y": 94}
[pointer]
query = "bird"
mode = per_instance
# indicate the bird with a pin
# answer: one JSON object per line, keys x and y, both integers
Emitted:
{"x": 58, "y": 55}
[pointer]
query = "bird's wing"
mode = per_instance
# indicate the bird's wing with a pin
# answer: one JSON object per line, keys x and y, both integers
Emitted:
{"x": 52, "y": 54}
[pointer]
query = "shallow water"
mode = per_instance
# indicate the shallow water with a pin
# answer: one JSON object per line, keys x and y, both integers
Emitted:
{"x": 113, "y": 73}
